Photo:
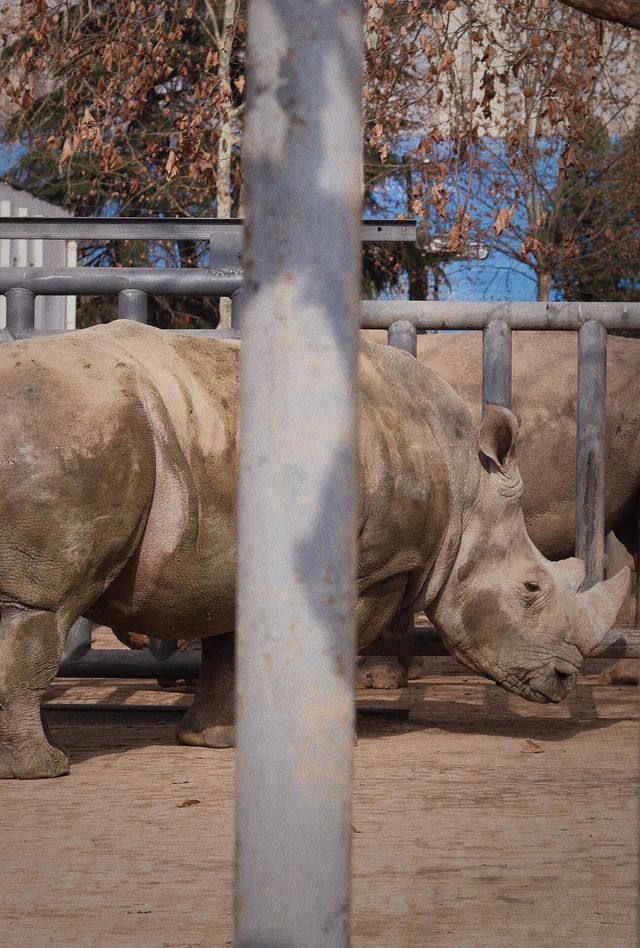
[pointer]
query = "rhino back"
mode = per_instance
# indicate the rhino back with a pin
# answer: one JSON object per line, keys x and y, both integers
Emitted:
{"x": 76, "y": 475}
{"x": 544, "y": 398}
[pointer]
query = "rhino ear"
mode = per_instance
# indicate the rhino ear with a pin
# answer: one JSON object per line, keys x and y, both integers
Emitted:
{"x": 498, "y": 436}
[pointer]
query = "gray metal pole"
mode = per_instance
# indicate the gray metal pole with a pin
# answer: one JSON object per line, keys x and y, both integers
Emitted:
{"x": 237, "y": 303}
{"x": 78, "y": 640}
{"x": 403, "y": 335}
{"x": 298, "y": 480}
{"x": 94, "y": 281}
{"x": 21, "y": 313}
{"x": 132, "y": 304}
{"x": 496, "y": 364}
{"x": 162, "y": 648}
{"x": 591, "y": 449}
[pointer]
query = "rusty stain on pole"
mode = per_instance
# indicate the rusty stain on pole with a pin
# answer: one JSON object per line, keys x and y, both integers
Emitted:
{"x": 298, "y": 480}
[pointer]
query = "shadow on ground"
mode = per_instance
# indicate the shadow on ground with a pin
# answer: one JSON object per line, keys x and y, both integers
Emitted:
{"x": 460, "y": 708}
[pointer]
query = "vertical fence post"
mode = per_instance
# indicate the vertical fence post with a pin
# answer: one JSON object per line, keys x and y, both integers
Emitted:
{"x": 237, "y": 303}
{"x": 591, "y": 449}
{"x": 132, "y": 304}
{"x": 22, "y": 244}
{"x": 403, "y": 335}
{"x": 298, "y": 483}
{"x": 70, "y": 302}
{"x": 21, "y": 312}
{"x": 5, "y": 259}
{"x": 496, "y": 364}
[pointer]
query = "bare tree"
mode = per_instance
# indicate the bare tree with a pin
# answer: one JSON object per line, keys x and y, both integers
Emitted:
{"x": 142, "y": 111}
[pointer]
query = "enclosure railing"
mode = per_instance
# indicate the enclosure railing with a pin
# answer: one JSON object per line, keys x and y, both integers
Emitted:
{"x": 132, "y": 285}
{"x": 403, "y": 320}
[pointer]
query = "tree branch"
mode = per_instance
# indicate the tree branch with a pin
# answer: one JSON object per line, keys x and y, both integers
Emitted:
{"x": 626, "y": 12}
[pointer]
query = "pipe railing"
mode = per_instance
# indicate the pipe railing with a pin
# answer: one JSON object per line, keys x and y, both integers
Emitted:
{"x": 402, "y": 320}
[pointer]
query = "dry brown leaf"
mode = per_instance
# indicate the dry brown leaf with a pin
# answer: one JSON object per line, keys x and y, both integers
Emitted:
{"x": 67, "y": 150}
{"x": 530, "y": 747}
{"x": 503, "y": 219}
{"x": 447, "y": 60}
{"x": 171, "y": 166}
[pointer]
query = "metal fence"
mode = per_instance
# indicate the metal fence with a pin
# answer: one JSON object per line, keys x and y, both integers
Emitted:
{"x": 401, "y": 319}
{"x": 51, "y": 312}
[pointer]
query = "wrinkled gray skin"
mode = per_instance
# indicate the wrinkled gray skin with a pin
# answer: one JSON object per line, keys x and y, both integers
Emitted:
{"x": 118, "y": 502}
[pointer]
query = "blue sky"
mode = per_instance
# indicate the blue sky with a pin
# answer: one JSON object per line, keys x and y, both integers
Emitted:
{"x": 496, "y": 278}
{"x": 8, "y": 154}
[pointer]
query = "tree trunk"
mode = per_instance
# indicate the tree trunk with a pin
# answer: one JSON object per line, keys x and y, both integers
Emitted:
{"x": 544, "y": 285}
{"x": 626, "y": 12}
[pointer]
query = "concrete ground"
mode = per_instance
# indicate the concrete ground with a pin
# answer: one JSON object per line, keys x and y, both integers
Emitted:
{"x": 479, "y": 821}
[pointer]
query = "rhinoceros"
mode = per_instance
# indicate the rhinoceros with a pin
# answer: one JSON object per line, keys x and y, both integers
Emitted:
{"x": 544, "y": 399}
{"x": 118, "y": 486}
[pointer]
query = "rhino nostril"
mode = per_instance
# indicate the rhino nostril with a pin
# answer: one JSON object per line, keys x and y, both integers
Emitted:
{"x": 565, "y": 673}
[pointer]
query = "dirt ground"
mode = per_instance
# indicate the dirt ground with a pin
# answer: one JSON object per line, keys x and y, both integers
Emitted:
{"x": 466, "y": 834}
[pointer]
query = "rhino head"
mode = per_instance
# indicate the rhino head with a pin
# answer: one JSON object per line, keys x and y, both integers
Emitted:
{"x": 506, "y": 611}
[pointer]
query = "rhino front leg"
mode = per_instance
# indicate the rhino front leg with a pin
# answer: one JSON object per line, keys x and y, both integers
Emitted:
{"x": 31, "y": 643}
{"x": 209, "y": 720}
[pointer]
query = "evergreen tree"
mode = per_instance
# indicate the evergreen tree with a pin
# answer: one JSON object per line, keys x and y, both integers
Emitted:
{"x": 596, "y": 227}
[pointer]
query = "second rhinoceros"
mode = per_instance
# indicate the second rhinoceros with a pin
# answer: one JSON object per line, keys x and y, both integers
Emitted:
{"x": 544, "y": 399}
{"x": 118, "y": 486}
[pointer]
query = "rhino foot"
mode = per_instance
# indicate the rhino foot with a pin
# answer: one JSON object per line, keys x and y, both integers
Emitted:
{"x": 624, "y": 672}
{"x": 209, "y": 720}
{"x": 33, "y": 762}
{"x": 31, "y": 643}
{"x": 380, "y": 672}
{"x": 219, "y": 735}
{"x": 418, "y": 667}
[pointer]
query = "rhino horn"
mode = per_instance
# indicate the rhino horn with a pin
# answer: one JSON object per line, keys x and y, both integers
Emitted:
{"x": 570, "y": 572}
{"x": 602, "y": 603}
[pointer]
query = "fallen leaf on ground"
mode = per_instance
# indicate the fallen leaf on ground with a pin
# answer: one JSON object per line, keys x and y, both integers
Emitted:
{"x": 189, "y": 803}
{"x": 530, "y": 747}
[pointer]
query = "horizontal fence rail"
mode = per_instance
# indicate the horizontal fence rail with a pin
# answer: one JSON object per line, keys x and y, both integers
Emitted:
{"x": 142, "y": 663}
{"x": 223, "y": 236}
{"x": 108, "y": 281}
{"x": 169, "y": 228}
{"x": 432, "y": 315}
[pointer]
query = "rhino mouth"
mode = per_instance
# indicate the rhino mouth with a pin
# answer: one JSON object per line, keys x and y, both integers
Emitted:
{"x": 550, "y": 684}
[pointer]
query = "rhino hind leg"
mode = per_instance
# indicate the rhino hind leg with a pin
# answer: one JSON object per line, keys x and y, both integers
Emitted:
{"x": 209, "y": 720}
{"x": 31, "y": 643}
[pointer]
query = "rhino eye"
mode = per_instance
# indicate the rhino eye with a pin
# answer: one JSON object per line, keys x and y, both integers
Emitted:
{"x": 532, "y": 586}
